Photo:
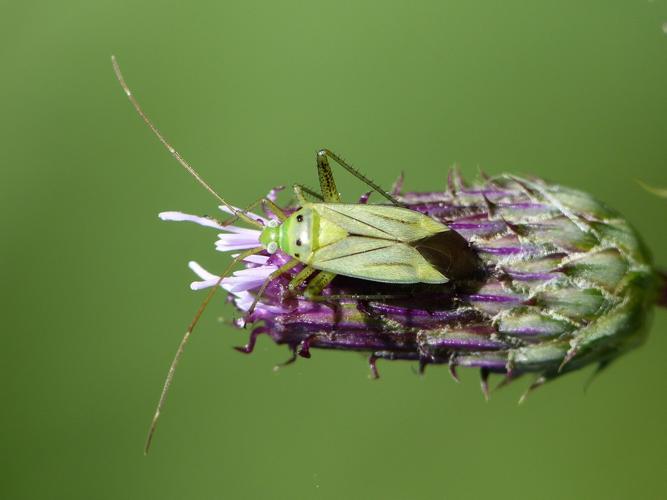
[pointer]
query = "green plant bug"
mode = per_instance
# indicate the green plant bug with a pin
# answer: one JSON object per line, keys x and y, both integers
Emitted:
{"x": 388, "y": 244}
{"x": 379, "y": 243}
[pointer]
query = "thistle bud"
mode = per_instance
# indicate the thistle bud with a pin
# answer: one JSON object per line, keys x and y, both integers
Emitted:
{"x": 566, "y": 282}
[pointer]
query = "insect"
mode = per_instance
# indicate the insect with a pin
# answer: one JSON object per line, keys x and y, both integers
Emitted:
{"x": 379, "y": 243}
{"x": 388, "y": 244}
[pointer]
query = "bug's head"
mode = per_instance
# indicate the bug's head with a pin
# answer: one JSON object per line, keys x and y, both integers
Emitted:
{"x": 296, "y": 234}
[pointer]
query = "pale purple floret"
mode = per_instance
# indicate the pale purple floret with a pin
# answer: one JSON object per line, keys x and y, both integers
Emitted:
{"x": 233, "y": 239}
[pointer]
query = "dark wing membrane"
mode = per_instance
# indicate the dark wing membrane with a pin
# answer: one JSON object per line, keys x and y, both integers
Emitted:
{"x": 450, "y": 253}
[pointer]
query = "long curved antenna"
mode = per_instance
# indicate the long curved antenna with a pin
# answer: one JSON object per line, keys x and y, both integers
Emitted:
{"x": 172, "y": 151}
{"x": 184, "y": 341}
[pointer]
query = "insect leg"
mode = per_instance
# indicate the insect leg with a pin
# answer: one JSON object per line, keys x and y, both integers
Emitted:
{"x": 327, "y": 184}
{"x": 300, "y": 198}
{"x": 355, "y": 296}
{"x": 277, "y": 211}
{"x": 317, "y": 284}
{"x": 272, "y": 206}
{"x": 304, "y": 189}
{"x": 320, "y": 282}
{"x": 300, "y": 277}
{"x": 281, "y": 270}
{"x": 326, "y": 178}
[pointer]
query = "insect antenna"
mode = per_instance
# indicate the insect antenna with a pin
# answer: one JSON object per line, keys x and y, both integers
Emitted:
{"x": 172, "y": 151}
{"x": 184, "y": 341}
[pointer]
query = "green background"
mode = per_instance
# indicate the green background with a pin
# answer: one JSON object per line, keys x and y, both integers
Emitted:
{"x": 95, "y": 289}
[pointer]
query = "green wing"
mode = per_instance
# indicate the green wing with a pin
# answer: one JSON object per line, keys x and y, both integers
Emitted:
{"x": 376, "y": 260}
{"x": 380, "y": 221}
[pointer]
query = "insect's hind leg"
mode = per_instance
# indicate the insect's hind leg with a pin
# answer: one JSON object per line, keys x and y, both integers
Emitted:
{"x": 299, "y": 189}
{"x": 358, "y": 296}
{"x": 317, "y": 284}
{"x": 313, "y": 292}
{"x": 328, "y": 185}
{"x": 314, "y": 289}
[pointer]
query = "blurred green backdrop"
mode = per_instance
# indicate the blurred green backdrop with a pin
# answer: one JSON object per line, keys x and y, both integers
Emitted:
{"x": 95, "y": 291}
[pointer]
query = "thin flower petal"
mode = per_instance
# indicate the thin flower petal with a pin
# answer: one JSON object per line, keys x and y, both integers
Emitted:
{"x": 183, "y": 217}
{"x": 241, "y": 235}
{"x": 248, "y": 279}
{"x": 243, "y": 285}
{"x": 208, "y": 278}
{"x": 242, "y": 298}
{"x": 255, "y": 272}
{"x": 243, "y": 301}
{"x": 254, "y": 259}
{"x": 241, "y": 281}
{"x": 230, "y": 243}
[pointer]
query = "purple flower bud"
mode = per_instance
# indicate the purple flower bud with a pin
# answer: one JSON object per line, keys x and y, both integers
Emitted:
{"x": 566, "y": 282}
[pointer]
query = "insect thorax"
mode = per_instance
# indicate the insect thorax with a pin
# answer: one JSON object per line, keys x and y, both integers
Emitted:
{"x": 304, "y": 232}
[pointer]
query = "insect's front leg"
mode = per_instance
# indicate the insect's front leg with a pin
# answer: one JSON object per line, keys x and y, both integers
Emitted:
{"x": 277, "y": 211}
{"x": 281, "y": 270}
